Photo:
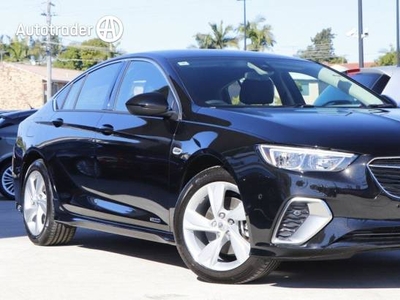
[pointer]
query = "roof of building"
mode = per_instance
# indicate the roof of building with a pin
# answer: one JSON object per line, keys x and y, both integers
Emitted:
{"x": 351, "y": 66}
{"x": 60, "y": 75}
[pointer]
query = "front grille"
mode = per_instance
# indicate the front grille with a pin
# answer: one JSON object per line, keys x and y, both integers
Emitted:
{"x": 377, "y": 236}
{"x": 386, "y": 172}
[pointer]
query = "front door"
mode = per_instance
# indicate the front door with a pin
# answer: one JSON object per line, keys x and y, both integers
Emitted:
{"x": 133, "y": 152}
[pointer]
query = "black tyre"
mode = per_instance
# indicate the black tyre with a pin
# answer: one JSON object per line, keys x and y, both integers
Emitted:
{"x": 38, "y": 209}
{"x": 7, "y": 181}
{"x": 211, "y": 231}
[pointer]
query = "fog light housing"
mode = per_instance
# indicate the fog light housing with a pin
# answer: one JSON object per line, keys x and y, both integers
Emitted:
{"x": 301, "y": 219}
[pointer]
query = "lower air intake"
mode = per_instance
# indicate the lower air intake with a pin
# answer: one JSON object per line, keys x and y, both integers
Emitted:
{"x": 293, "y": 218}
{"x": 301, "y": 219}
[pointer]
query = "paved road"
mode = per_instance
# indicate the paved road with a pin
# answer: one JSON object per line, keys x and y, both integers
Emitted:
{"x": 102, "y": 266}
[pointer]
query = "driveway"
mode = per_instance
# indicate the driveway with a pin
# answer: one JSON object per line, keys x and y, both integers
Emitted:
{"x": 102, "y": 266}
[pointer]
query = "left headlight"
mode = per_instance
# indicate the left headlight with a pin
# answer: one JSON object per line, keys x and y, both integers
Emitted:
{"x": 306, "y": 159}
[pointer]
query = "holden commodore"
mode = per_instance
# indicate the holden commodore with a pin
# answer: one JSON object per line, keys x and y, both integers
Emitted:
{"x": 225, "y": 154}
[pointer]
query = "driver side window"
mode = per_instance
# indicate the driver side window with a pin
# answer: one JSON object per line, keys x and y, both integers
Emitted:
{"x": 140, "y": 77}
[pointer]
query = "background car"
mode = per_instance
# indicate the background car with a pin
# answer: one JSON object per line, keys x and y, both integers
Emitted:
{"x": 383, "y": 80}
{"x": 9, "y": 121}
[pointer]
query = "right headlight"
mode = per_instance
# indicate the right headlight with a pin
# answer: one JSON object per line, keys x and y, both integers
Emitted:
{"x": 306, "y": 159}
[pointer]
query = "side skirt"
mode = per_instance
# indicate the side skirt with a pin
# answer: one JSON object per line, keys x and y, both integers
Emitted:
{"x": 139, "y": 233}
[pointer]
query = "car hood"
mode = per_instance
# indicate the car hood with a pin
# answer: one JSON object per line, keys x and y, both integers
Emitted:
{"x": 364, "y": 131}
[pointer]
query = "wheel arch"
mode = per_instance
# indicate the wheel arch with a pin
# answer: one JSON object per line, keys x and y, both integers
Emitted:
{"x": 29, "y": 158}
{"x": 201, "y": 162}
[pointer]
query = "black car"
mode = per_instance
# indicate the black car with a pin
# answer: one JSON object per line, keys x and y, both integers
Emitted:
{"x": 9, "y": 121}
{"x": 216, "y": 152}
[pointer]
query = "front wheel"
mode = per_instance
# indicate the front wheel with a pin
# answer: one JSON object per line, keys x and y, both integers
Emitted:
{"x": 212, "y": 233}
{"x": 38, "y": 209}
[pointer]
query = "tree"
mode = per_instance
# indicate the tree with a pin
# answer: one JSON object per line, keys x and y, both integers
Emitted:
{"x": 204, "y": 41}
{"x": 37, "y": 51}
{"x": 219, "y": 37}
{"x": 260, "y": 35}
{"x": 4, "y": 46}
{"x": 388, "y": 59}
{"x": 18, "y": 49}
{"x": 69, "y": 58}
{"x": 94, "y": 51}
{"x": 85, "y": 55}
{"x": 322, "y": 48}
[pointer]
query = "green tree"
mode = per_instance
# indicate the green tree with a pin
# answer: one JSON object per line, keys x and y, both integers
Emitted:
{"x": 220, "y": 37}
{"x": 260, "y": 35}
{"x": 85, "y": 55}
{"x": 18, "y": 49}
{"x": 94, "y": 51}
{"x": 4, "y": 46}
{"x": 37, "y": 51}
{"x": 204, "y": 41}
{"x": 388, "y": 59}
{"x": 322, "y": 49}
{"x": 69, "y": 58}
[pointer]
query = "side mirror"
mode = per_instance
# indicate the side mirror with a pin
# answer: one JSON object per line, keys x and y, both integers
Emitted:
{"x": 148, "y": 104}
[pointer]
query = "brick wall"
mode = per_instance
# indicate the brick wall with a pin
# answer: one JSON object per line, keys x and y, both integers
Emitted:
{"x": 19, "y": 89}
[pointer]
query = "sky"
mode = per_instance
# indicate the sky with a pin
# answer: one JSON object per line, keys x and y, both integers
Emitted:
{"x": 160, "y": 24}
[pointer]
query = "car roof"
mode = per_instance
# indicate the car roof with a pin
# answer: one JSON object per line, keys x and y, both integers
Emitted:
{"x": 196, "y": 53}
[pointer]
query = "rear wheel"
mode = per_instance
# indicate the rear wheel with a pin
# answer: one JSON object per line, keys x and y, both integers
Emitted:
{"x": 7, "y": 181}
{"x": 38, "y": 209}
{"x": 211, "y": 230}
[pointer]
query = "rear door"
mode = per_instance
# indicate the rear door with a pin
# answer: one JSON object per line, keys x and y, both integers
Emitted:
{"x": 74, "y": 125}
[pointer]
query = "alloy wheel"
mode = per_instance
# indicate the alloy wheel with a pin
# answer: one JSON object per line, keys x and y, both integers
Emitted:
{"x": 215, "y": 228}
{"x": 35, "y": 203}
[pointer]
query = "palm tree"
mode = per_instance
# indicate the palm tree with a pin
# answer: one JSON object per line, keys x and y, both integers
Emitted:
{"x": 219, "y": 38}
{"x": 18, "y": 49}
{"x": 3, "y": 45}
{"x": 260, "y": 35}
{"x": 204, "y": 41}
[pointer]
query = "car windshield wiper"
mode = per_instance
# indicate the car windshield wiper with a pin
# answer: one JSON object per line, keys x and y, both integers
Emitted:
{"x": 383, "y": 105}
{"x": 299, "y": 105}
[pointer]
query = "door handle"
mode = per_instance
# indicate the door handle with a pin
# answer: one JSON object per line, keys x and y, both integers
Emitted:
{"x": 58, "y": 122}
{"x": 106, "y": 129}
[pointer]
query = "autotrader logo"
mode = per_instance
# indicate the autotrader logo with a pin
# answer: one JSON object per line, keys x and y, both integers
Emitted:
{"x": 109, "y": 29}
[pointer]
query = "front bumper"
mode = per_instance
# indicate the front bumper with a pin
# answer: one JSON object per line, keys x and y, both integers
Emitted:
{"x": 364, "y": 216}
{"x": 341, "y": 238}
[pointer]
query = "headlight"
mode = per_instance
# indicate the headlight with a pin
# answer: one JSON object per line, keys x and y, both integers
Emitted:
{"x": 306, "y": 159}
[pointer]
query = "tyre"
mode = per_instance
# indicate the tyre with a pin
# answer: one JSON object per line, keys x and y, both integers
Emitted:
{"x": 7, "y": 181}
{"x": 38, "y": 209}
{"x": 211, "y": 231}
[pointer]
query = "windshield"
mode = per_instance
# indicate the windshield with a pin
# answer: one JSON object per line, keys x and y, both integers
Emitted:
{"x": 233, "y": 81}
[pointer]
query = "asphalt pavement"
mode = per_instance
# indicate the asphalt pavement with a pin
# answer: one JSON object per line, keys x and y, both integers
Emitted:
{"x": 103, "y": 266}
